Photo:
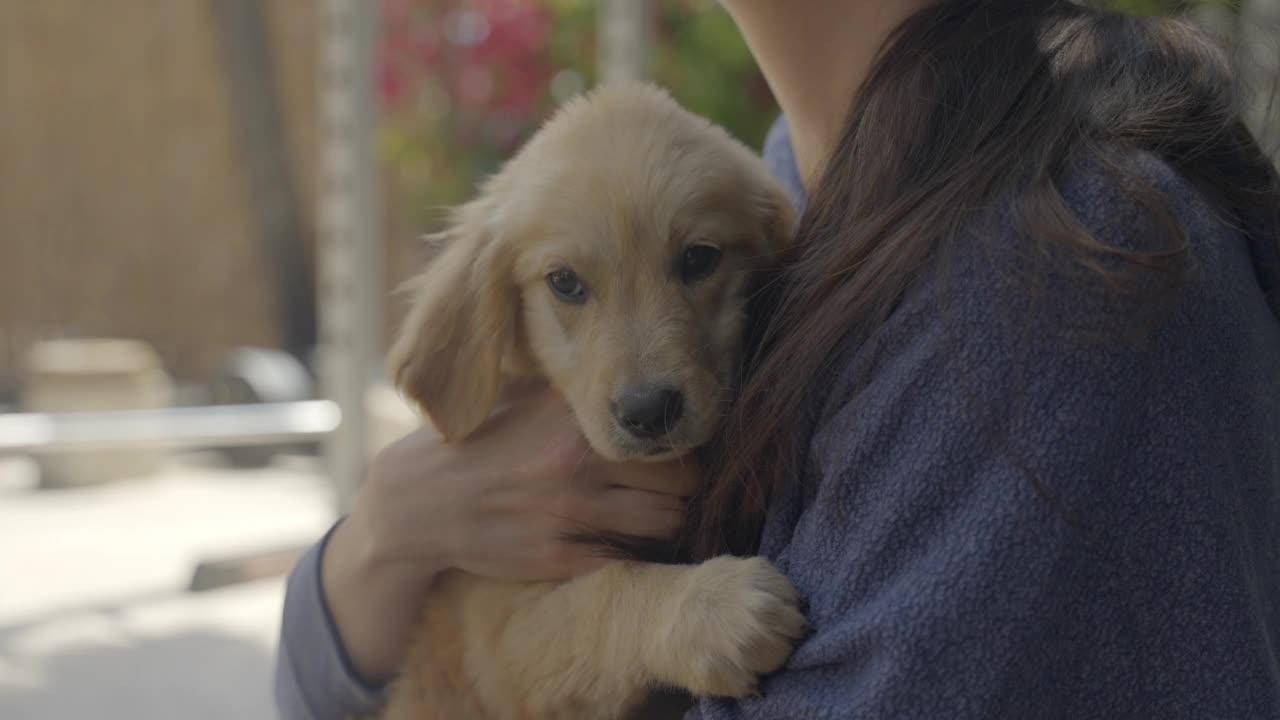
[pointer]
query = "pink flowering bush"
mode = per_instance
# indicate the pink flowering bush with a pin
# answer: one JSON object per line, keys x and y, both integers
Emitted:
{"x": 463, "y": 82}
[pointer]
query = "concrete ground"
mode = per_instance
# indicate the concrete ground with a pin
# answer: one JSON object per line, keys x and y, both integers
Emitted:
{"x": 95, "y": 617}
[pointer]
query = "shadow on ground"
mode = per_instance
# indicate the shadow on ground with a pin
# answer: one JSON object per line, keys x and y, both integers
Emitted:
{"x": 192, "y": 674}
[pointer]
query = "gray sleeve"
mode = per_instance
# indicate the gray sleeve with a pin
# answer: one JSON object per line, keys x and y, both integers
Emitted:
{"x": 314, "y": 677}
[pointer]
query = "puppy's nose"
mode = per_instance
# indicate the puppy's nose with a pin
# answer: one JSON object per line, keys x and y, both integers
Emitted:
{"x": 648, "y": 411}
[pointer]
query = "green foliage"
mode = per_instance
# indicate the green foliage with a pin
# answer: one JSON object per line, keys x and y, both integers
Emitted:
{"x": 703, "y": 61}
{"x": 440, "y": 140}
{"x": 1162, "y": 7}
{"x": 1144, "y": 7}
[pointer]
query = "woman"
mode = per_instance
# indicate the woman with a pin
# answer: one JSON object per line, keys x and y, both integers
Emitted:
{"x": 1012, "y": 425}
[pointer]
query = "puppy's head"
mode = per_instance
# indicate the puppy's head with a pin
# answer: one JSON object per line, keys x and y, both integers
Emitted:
{"x": 612, "y": 256}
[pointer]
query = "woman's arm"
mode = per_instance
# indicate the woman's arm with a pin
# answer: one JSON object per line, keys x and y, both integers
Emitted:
{"x": 315, "y": 678}
{"x": 498, "y": 505}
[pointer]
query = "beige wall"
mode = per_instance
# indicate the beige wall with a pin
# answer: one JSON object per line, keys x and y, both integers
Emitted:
{"x": 122, "y": 205}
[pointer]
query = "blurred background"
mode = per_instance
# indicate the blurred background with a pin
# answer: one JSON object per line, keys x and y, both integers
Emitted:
{"x": 204, "y": 208}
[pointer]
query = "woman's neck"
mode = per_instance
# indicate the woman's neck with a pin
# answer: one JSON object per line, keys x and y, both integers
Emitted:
{"x": 815, "y": 54}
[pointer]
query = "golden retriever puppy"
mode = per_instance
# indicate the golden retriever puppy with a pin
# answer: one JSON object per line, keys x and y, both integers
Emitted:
{"x": 611, "y": 258}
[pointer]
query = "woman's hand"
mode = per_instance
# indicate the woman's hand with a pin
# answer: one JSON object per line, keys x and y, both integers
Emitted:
{"x": 498, "y": 505}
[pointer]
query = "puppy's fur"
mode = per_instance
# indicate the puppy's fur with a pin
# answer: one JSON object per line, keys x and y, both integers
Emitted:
{"x": 605, "y": 201}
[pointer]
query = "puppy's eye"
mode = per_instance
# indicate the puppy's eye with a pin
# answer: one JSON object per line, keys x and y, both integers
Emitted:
{"x": 698, "y": 262}
{"x": 566, "y": 286}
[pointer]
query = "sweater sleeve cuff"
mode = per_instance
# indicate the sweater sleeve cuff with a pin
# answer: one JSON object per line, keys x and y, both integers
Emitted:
{"x": 315, "y": 679}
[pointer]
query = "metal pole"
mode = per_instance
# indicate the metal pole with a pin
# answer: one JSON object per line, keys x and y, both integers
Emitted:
{"x": 350, "y": 247}
{"x": 625, "y": 39}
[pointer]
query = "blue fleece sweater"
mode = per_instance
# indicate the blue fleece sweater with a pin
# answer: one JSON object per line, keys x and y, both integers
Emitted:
{"x": 1006, "y": 522}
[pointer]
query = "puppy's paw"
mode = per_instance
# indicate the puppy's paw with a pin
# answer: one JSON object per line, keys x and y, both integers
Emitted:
{"x": 737, "y": 619}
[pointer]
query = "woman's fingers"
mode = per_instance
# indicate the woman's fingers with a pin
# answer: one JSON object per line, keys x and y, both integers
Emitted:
{"x": 673, "y": 477}
{"x": 507, "y": 499}
{"x": 637, "y": 512}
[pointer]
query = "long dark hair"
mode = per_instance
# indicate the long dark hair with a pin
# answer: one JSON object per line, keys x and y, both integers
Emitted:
{"x": 975, "y": 103}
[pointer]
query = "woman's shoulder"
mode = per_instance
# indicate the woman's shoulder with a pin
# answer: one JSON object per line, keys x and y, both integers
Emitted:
{"x": 1121, "y": 258}
{"x": 1135, "y": 200}
{"x": 1120, "y": 239}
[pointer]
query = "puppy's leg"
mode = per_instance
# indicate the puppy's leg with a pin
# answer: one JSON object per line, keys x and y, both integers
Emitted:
{"x": 595, "y": 646}
{"x": 721, "y": 625}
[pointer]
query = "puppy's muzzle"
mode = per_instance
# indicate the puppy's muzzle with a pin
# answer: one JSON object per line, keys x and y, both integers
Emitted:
{"x": 648, "y": 411}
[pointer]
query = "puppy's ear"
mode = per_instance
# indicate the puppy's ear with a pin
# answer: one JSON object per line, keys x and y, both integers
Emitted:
{"x": 448, "y": 356}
